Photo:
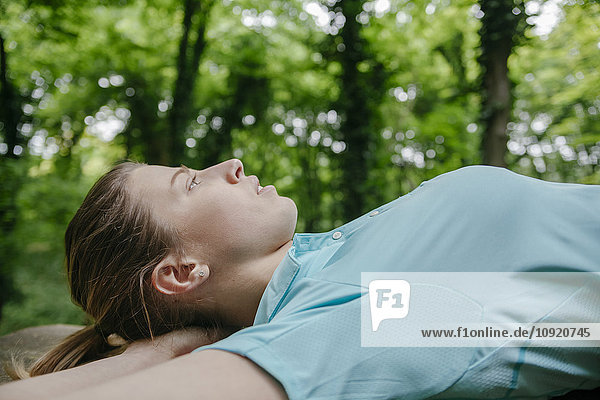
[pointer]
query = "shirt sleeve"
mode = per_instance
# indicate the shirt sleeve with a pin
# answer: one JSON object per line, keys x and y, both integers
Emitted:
{"x": 315, "y": 352}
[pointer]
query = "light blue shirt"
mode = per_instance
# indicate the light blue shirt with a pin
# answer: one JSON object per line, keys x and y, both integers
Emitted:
{"x": 307, "y": 334}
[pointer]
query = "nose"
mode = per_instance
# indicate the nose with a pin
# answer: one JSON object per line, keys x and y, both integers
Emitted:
{"x": 232, "y": 170}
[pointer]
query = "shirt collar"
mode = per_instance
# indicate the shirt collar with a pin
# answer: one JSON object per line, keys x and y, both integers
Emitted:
{"x": 278, "y": 286}
{"x": 289, "y": 268}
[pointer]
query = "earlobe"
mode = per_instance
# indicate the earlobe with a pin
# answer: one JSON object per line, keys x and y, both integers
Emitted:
{"x": 178, "y": 277}
{"x": 199, "y": 274}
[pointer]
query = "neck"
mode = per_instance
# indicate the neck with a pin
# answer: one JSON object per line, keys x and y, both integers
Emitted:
{"x": 239, "y": 296}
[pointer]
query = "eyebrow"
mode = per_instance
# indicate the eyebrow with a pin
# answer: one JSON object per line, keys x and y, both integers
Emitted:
{"x": 182, "y": 170}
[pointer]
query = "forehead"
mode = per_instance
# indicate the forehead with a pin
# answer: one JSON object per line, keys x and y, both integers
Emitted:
{"x": 153, "y": 178}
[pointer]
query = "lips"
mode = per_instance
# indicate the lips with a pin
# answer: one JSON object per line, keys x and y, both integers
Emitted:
{"x": 260, "y": 189}
{"x": 266, "y": 188}
{"x": 256, "y": 183}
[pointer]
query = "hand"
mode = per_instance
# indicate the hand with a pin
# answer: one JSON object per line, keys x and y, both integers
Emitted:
{"x": 179, "y": 342}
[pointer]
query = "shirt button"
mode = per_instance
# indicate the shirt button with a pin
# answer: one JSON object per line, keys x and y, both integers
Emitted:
{"x": 374, "y": 213}
{"x": 337, "y": 235}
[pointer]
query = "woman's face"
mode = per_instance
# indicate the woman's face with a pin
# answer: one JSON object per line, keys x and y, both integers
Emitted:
{"x": 218, "y": 210}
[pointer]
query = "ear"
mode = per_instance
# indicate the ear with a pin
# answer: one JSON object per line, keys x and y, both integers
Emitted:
{"x": 173, "y": 277}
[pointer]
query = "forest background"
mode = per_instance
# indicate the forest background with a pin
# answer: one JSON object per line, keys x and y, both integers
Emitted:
{"x": 342, "y": 105}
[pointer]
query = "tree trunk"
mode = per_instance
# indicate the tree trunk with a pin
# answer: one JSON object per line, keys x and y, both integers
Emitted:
{"x": 195, "y": 19}
{"x": 359, "y": 92}
{"x": 145, "y": 134}
{"x": 12, "y": 176}
{"x": 217, "y": 144}
{"x": 312, "y": 186}
{"x": 498, "y": 29}
{"x": 250, "y": 94}
{"x": 9, "y": 106}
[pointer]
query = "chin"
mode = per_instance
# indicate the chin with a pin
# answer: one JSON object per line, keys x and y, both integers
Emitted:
{"x": 293, "y": 211}
{"x": 290, "y": 215}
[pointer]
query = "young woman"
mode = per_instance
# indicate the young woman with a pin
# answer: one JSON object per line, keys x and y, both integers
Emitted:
{"x": 153, "y": 250}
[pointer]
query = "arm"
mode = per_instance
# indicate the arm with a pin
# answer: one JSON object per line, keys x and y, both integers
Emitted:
{"x": 207, "y": 374}
{"x": 93, "y": 373}
{"x": 138, "y": 356}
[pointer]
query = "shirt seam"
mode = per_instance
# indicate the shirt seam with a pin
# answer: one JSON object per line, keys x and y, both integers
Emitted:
{"x": 293, "y": 384}
{"x": 287, "y": 286}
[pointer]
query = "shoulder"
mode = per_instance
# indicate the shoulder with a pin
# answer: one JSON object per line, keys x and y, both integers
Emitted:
{"x": 484, "y": 181}
{"x": 474, "y": 180}
{"x": 475, "y": 173}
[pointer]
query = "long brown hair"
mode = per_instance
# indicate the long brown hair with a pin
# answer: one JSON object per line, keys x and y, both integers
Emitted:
{"x": 112, "y": 244}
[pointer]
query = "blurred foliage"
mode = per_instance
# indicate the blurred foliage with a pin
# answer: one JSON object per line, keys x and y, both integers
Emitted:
{"x": 555, "y": 131}
{"x": 276, "y": 86}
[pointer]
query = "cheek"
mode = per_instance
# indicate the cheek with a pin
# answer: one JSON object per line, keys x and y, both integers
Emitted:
{"x": 220, "y": 218}
{"x": 228, "y": 222}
